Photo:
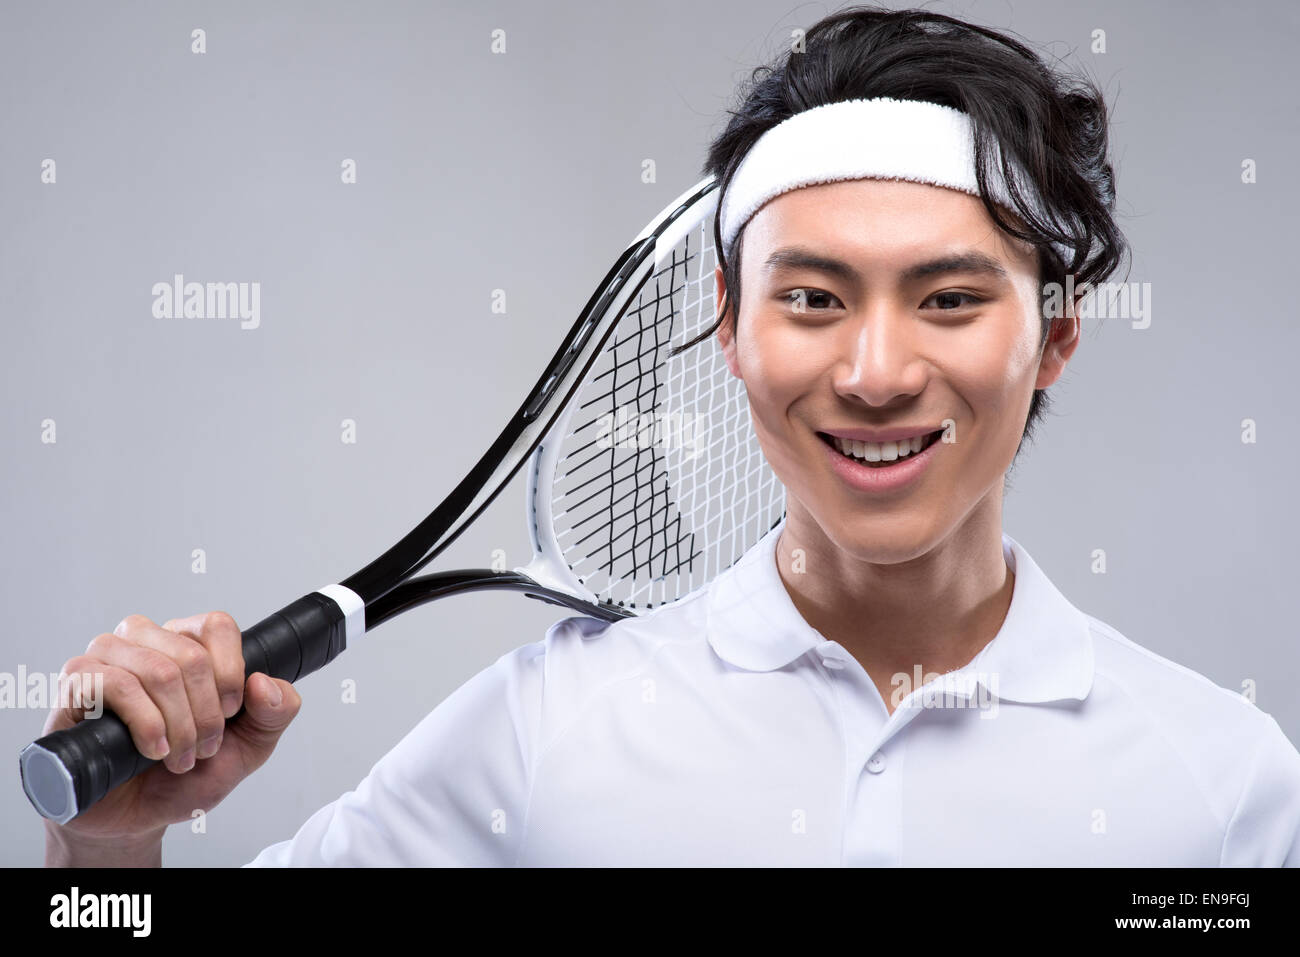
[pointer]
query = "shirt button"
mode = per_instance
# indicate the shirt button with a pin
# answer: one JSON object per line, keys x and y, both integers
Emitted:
{"x": 877, "y": 763}
{"x": 833, "y": 663}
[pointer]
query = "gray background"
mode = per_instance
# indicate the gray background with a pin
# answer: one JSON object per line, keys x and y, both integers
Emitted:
{"x": 522, "y": 171}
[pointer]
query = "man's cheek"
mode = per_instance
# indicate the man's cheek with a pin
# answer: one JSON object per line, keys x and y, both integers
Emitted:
{"x": 772, "y": 394}
{"x": 778, "y": 368}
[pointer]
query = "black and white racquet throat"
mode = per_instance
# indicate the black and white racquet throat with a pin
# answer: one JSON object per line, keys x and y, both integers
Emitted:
{"x": 645, "y": 481}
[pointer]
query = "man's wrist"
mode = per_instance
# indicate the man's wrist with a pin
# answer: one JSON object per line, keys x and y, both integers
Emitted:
{"x": 63, "y": 849}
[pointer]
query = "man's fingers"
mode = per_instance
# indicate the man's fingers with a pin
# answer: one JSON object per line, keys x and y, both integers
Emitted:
{"x": 217, "y": 632}
{"x": 125, "y": 697}
{"x": 164, "y": 682}
{"x": 198, "y": 679}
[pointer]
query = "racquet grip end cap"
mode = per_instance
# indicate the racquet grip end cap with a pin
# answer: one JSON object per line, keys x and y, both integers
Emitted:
{"x": 48, "y": 784}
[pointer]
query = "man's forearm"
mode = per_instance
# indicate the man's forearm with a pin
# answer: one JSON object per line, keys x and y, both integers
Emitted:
{"x": 62, "y": 850}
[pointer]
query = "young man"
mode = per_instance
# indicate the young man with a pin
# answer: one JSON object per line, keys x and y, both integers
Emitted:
{"x": 886, "y": 678}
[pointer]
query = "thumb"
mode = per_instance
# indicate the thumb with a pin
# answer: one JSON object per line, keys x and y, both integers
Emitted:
{"x": 269, "y": 705}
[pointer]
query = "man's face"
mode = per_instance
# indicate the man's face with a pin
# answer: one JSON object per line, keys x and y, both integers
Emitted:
{"x": 884, "y": 343}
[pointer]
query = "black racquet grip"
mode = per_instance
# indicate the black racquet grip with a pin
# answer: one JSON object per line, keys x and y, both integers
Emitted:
{"x": 66, "y": 772}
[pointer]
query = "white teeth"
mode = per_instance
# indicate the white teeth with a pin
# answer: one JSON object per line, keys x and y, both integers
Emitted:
{"x": 880, "y": 451}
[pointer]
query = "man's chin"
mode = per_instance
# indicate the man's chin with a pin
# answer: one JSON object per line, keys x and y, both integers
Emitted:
{"x": 872, "y": 535}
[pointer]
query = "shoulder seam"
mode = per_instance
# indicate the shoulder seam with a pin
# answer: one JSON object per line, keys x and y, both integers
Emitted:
{"x": 597, "y": 692}
{"x": 1119, "y": 638}
{"x": 1154, "y": 722}
{"x": 544, "y": 747}
{"x": 1236, "y": 808}
{"x": 532, "y": 769}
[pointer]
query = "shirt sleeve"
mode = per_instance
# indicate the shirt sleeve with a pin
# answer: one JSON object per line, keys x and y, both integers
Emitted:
{"x": 453, "y": 792}
{"x": 1265, "y": 828}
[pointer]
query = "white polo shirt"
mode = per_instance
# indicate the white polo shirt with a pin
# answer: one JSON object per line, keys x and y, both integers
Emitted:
{"x": 724, "y": 730}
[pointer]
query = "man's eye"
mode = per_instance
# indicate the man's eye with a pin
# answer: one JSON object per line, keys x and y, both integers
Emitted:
{"x": 809, "y": 300}
{"x": 948, "y": 300}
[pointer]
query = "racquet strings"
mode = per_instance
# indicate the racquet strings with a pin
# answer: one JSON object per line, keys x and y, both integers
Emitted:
{"x": 660, "y": 483}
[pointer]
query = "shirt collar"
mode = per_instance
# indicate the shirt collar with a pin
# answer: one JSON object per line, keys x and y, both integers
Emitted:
{"x": 1042, "y": 652}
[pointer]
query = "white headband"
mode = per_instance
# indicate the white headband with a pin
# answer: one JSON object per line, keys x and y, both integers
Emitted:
{"x": 865, "y": 139}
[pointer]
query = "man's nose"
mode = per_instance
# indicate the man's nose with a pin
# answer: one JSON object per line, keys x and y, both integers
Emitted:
{"x": 877, "y": 356}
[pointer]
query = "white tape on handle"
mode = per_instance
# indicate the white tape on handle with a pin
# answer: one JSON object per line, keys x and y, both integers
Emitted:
{"x": 354, "y": 610}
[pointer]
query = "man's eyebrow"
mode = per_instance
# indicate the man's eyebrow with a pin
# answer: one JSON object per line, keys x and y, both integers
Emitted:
{"x": 799, "y": 257}
{"x": 969, "y": 261}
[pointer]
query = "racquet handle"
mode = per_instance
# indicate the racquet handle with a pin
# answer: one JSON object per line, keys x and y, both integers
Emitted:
{"x": 66, "y": 772}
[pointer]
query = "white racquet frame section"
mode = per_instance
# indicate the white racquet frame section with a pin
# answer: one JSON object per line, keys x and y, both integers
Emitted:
{"x": 548, "y": 567}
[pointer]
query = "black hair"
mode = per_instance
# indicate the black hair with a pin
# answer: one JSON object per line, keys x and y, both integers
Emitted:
{"x": 1053, "y": 123}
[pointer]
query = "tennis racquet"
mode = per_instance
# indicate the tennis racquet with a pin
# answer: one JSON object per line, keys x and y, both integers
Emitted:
{"x": 645, "y": 480}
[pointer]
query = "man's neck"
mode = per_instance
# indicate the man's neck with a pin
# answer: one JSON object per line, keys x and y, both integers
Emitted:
{"x": 936, "y": 610}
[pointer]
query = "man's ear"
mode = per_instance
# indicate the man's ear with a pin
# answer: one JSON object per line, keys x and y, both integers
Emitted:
{"x": 726, "y": 333}
{"x": 1061, "y": 341}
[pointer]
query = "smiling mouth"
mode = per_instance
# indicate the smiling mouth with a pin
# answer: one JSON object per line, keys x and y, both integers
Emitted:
{"x": 880, "y": 454}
